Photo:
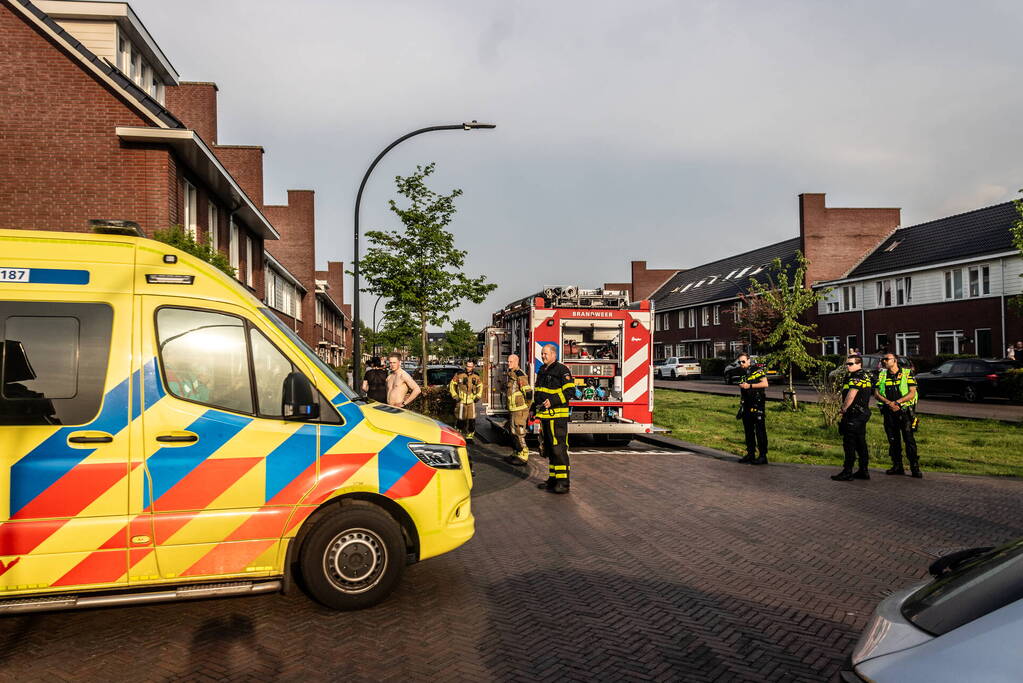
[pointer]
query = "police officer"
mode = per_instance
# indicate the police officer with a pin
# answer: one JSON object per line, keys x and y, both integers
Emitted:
{"x": 853, "y": 426}
{"x": 551, "y": 395}
{"x": 519, "y": 395}
{"x": 895, "y": 392}
{"x": 466, "y": 387}
{"x": 751, "y": 410}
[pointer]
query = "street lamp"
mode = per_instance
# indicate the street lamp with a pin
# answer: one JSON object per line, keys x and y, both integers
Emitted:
{"x": 357, "y": 346}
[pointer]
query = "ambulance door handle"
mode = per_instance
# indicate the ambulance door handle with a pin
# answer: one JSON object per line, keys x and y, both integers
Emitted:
{"x": 177, "y": 437}
{"x": 90, "y": 437}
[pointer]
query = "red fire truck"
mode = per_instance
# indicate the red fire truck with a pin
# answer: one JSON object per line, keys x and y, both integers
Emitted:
{"x": 605, "y": 341}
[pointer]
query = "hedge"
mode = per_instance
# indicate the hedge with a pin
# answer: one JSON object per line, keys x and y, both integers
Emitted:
{"x": 1013, "y": 382}
{"x": 713, "y": 366}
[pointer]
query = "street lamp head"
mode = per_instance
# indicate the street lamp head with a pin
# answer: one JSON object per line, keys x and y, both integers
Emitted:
{"x": 474, "y": 124}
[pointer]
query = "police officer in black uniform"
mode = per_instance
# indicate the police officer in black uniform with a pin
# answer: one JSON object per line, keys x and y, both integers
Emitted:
{"x": 551, "y": 392}
{"x": 752, "y": 402}
{"x": 853, "y": 427}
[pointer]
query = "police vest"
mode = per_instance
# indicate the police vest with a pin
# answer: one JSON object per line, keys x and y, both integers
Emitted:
{"x": 903, "y": 381}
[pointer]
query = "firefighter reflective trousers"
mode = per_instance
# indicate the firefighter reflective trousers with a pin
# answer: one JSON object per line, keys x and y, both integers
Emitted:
{"x": 555, "y": 447}
{"x": 756, "y": 433}
{"x": 517, "y": 428}
{"x": 898, "y": 427}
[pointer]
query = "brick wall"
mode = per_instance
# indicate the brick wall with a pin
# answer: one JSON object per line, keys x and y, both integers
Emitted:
{"x": 61, "y": 164}
{"x": 195, "y": 105}
{"x": 835, "y": 240}
{"x": 245, "y": 164}
{"x": 645, "y": 281}
{"x": 296, "y": 250}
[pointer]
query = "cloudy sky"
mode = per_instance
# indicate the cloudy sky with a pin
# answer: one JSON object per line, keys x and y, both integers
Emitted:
{"x": 671, "y": 132}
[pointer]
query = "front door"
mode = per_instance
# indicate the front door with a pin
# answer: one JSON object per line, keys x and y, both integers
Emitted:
{"x": 220, "y": 461}
{"x": 64, "y": 451}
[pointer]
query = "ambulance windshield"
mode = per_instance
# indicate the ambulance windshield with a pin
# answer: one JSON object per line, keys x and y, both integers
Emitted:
{"x": 316, "y": 360}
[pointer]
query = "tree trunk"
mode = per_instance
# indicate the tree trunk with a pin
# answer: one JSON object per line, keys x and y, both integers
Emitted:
{"x": 422, "y": 358}
{"x": 792, "y": 389}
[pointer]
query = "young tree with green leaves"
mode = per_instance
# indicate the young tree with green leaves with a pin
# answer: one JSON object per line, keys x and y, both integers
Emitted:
{"x": 178, "y": 237}
{"x": 785, "y": 292}
{"x": 460, "y": 341}
{"x": 418, "y": 268}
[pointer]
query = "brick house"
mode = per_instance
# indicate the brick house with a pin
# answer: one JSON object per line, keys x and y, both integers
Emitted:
{"x": 89, "y": 133}
{"x": 696, "y": 309}
{"x": 102, "y": 127}
{"x": 941, "y": 287}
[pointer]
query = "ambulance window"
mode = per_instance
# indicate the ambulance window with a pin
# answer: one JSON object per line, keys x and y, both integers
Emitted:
{"x": 54, "y": 362}
{"x": 271, "y": 368}
{"x": 204, "y": 357}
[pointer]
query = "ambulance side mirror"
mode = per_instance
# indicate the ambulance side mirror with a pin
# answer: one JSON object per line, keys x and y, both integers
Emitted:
{"x": 299, "y": 400}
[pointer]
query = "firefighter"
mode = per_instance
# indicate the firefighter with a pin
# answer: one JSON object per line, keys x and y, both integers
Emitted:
{"x": 466, "y": 388}
{"x": 519, "y": 395}
{"x": 551, "y": 395}
{"x": 752, "y": 405}
{"x": 853, "y": 426}
{"x": 895, "y": 392}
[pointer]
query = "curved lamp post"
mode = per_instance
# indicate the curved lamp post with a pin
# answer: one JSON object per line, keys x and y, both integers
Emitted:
{"x": 357, "y": 346}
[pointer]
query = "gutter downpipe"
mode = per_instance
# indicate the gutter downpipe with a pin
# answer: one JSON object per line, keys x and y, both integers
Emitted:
{"x": 1001, "y": 268}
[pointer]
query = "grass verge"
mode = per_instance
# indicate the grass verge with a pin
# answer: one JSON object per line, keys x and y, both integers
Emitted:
{"x": 945, "y": 444}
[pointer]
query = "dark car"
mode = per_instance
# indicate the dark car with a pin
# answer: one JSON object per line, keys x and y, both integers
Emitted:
{"x": 437, "y": 375}
{"x": 732, "y": 371}
{"x": 971, "y": 378}
{"x": 872, "y": 363}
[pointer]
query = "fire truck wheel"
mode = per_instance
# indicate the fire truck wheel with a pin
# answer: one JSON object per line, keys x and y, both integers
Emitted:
{"x": 353, "y": 557}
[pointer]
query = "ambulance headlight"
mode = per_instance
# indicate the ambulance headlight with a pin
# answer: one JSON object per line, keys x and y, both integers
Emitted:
{"x": 439, "y": 456}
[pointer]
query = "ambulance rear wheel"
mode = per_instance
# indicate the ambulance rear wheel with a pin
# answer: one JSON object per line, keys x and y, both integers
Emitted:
{"x": 353, "y": 557}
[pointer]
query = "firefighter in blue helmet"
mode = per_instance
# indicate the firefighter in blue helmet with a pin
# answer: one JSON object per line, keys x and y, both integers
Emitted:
{"x": 551, "y": 391}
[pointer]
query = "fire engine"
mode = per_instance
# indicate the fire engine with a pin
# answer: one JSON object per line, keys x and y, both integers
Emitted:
{"x": 605, "y": 341}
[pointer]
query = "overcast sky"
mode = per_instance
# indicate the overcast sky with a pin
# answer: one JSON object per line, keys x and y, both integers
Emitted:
{"x": 671, "y": 132}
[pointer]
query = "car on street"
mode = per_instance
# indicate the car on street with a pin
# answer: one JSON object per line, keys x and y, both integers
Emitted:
{"x": 965, "y": 624}
{"x": 677, "y": 367}
{"x": 437, "y": 375}
{"x": 872, "y": 363}
{"x": 971, "y": 378}
{"x": 732, "y": 371}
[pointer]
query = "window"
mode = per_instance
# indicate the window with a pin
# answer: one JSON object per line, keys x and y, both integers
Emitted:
{"x": 667, "y": 322}
{"x": 54, "y": 362}
{"x": 203, "y": 356}
{"x": 852, "y": 343}
{"x": 657, "y": 318}
{"x": 319, "y": 312}
{"x": 884, "y": 293}
{"x": 907, "y": 344}
{"x": 881, "y": 342}
{"x": 848, "y": 298}
{"x": 829, "y": 346}
{"x": 954, "y": 284}
{"x": 737, "y": 312}
{"x": 681, "y": 319}
{"x": 705, "y": 316}
{"x": 832, "y": 307}
{"x": 980, "y": 280}
{"x": 232, "y": 247}
{"x": 271, "y": 368}
{"x": 717, "y": 314}
{"x": 248, "y": 261}
{"x": 123, "y": 54}
{"x": 692, "y": 318}
{"x": 213, "y": 226}
{"x": 948, "y": 341}
{"x": 903, "y": 291}
{"x": 189, "y": 199}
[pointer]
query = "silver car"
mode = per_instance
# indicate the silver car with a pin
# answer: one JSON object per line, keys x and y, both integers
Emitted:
{"x": 964, "y": 625}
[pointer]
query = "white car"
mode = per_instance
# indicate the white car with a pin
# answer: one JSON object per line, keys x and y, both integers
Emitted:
{"x": 964, "y": 625}
{"x": 676, "y": 367}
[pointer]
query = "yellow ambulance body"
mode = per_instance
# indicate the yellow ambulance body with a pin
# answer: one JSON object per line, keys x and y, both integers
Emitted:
{"x": 163, "y": 436}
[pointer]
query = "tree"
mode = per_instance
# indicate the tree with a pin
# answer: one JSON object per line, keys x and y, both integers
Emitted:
{"x": 178, "y": 237}
{"x": 400, "y": 332}
{"x": 460, "y": 341}
{"x": 757, "y": 318}
{"x": 418, "y": 269}
{"x": 786, "y": 293}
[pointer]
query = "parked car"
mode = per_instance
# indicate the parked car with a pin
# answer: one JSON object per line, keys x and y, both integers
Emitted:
{"x": 971, "y": 378}
{"x": 965, "y": 624}
{"x": 676, "y": 367}
{"x": 732, "y": 371}
{"x": 437, "y": 375}
{"x": 873, "y": 364}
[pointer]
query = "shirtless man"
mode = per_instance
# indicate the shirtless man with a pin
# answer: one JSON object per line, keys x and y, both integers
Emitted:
{"x": 401, "y": 388}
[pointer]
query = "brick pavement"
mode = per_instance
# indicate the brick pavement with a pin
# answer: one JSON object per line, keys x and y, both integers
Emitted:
{"x": 656, "y": 567}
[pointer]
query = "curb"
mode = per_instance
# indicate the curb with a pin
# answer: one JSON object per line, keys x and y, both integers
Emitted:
{"x": 671, "y": 442}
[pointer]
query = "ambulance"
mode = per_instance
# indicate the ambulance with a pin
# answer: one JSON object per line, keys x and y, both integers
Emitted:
{"x": 164, "y": 436}
{"x": 605, "y": 341}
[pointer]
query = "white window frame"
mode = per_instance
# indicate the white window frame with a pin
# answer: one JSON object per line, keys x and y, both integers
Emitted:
{"x": 692, "y": 317}
{"x": 705, "y": 316}
{"x": 983, "y": 281}
{"x": 248, "y": 261}
{"x": 717, "y": 314}
{"x": 903, "y": 291}
{"x": 953, "y": 279}
{"x": 189, "y": 212}
{"x": 943, "y": 335}
{"x": 832, "y": 307}
{"x": 849, "y": 347}
{"x": 681, "y": 320}
{"x": 901, "y": 342}
{"x": 657, "y": 322}
{"x": 877, "y": 340}
{"x": 829, "y": 346}
{"x": 885, "y": 293}
{"x": 233, "y": 250}
{"x": 737, "y": 312}
{"x": 667, "y": 322}
{"x": 213, "y": 225}
{"x": 849, "y": 298}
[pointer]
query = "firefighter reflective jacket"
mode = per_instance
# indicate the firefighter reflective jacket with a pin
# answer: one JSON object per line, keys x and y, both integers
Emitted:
{"x": 466, "y": 387}
{"x": 554, "y": 383}
{"x": 517, "y": 390}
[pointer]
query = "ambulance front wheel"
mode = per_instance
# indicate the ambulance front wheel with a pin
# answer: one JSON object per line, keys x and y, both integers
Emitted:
{"x": 353, "y": 557}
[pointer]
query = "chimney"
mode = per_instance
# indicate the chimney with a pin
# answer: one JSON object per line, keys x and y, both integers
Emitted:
{"x": 245, "y": 164}
{"x": 835, "y": 240}
{"x": 195, "y": 105}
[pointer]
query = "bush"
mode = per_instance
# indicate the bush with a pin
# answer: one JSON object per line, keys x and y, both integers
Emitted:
{"x": 713, "y": 366}
{"x": 437, "y": 403}
{"x": 1013, "y": 382}
{"x": 177, "y": 237}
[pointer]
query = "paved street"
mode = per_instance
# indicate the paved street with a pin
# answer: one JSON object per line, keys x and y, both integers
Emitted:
{"x": 993, "y": 409}
{"x": 658, "y": 566}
